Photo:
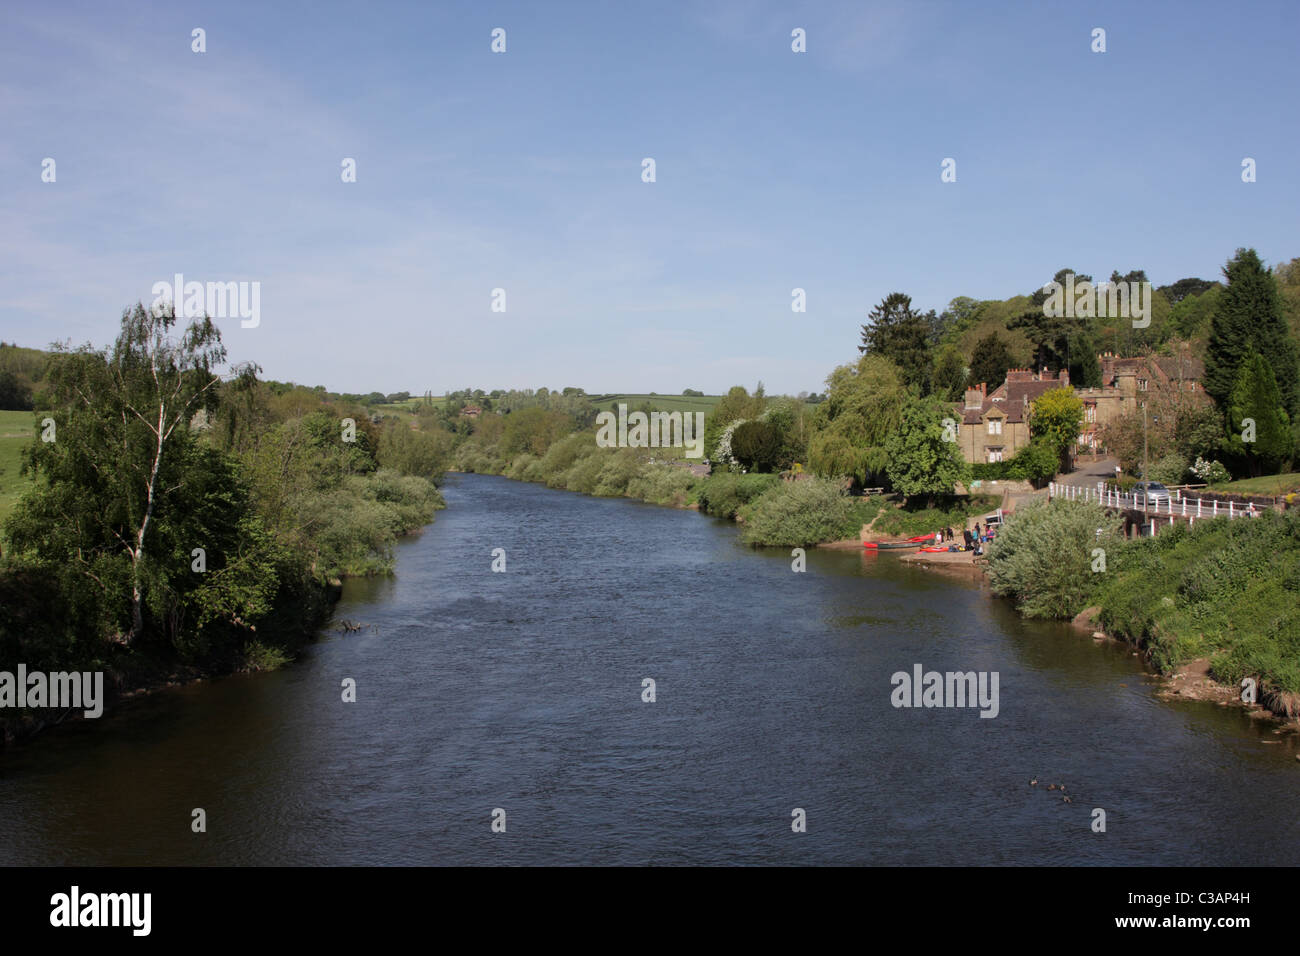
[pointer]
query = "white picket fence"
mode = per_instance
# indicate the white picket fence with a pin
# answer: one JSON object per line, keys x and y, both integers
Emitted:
{"x": 1174, "y": 506}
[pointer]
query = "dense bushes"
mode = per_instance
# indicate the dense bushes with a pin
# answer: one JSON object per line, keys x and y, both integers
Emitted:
{"x": 1036, "y": 462}
{"x": 724, "y": 494}
{"x": 1170, "y": 469}
{"x": 800, "y": 513}
{"x": 185, "y": 517}
{"x": 1224, "y": 589}
{"x": 1043, "y": 556}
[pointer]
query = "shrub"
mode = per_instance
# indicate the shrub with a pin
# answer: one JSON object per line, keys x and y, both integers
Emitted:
{"x": 800, "y": 513}
{"x": 1170, "y": 469}
{"x": 725, "y": 493}
{"x": 756, "y": 446}
{"x": 662, "y": 485}
{"x": 1209, "y": 472}
{"x": 1043, "y": 556}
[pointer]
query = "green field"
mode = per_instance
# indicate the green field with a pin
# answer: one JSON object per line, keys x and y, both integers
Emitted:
{"x": 15, "y": 432}
{"x": 1264, "y": 485}
{"x": 659, "y": 403}
{"x": 662, "y": 403}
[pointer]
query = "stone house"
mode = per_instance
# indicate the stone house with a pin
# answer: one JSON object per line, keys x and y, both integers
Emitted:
{"x": 995, "y": 426}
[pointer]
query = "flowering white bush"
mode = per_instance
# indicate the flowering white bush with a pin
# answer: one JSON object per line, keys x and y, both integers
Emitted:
{"x": 1210, "y": 472}
{"x": 722, "y": 454}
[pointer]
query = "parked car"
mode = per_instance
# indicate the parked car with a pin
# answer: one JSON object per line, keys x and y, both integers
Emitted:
{"x": 1150, "y": 494}
{"x": 994, "y": 520}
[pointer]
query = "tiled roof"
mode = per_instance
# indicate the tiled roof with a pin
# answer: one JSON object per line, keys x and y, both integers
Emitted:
{"x": 1012, "y": 398}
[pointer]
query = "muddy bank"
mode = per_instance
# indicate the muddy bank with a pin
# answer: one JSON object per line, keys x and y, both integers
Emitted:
{"x": 1195, "y": 680}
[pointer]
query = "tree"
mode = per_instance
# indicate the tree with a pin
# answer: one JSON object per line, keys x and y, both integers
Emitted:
{"x": 920, "y": 460}
{"x": 949, "y": 376}
{"x": 862, "y": 407}
{"x": 14, "y": 395}
{"x": 1036, "y": 462}
{"x": 1183, "y": 288}
{"x": 1056, "y": 417}
{"x": 1256, "y": 400}
{"x": 792, "y": 420}
{"x": 1249, "y": 316}
{"x": 1050, "y": 333}
{"x": 958, "y": 317}
{"x": 896, "y": 332}
{"x": 989, "y": 362}
{"x": 736, "y": 405}
{"x": 756, "y": 446}
{"x": 117, "y": 415}
{"x": 1085, "y": 370}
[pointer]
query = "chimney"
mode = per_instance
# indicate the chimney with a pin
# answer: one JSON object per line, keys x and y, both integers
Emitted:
{"x": 1064, "y": 377}
{"x": 975, "y": 396}
{"x": 1019, "y": 375}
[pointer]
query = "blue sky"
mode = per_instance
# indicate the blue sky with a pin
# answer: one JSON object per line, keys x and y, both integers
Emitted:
{"x": 522, "y": 171}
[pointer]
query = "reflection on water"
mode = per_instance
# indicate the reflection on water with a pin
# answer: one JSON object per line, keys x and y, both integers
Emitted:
{"x": 523, "y": 691}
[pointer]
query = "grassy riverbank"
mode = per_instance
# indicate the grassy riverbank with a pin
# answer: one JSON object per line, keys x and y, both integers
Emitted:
{"x": 175, "y": 522}
{"x": 772, "y": 512}
{"x": 1226, "y": 591}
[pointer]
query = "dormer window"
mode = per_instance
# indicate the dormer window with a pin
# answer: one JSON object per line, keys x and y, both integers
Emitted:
{"x": 995, "y": 426}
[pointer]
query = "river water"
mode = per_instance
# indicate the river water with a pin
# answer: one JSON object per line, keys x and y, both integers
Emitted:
{"x": 523, "y": 691}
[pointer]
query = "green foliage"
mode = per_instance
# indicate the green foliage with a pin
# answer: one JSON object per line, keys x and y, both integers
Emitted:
{"x": 15, "y": 395}
{"x": 989, "y": 362}
{"x": 756, "y": 446}
{"x": 197, "y": 517}
{"x": 951, "y": 511}
{"x": 1209, "y": 472}
{"x": 1085, "y": 370}
{"x": 862, "y": 408}
{"x": 1169, "y": 469}
{"x": 725, "y": 493}
{"x": 800, "y": 514}
{"x": 793, "y": 423}
{"x": 949, "y": 376}
{"x": 1249, "y": 317}
{"x": 902, "y": 335}
{"x": 1256, "y": 398}
{"x": 1224, "y": 589}
{"x": 1043, "y": 556}
{"x": 413, "y": 452}
{"x": 260, "y": 657}
{"x": 1193, "y": 315}
{"x": 1036, "y": 462}
{"x": 920, "y": 461}
{"x": 736, "y": 406}
{"x": 1186, "y": 288}
{"x": 1056, "y": 417}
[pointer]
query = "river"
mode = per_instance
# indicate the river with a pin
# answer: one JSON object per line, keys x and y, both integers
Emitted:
{"x": 522, "y": 691}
